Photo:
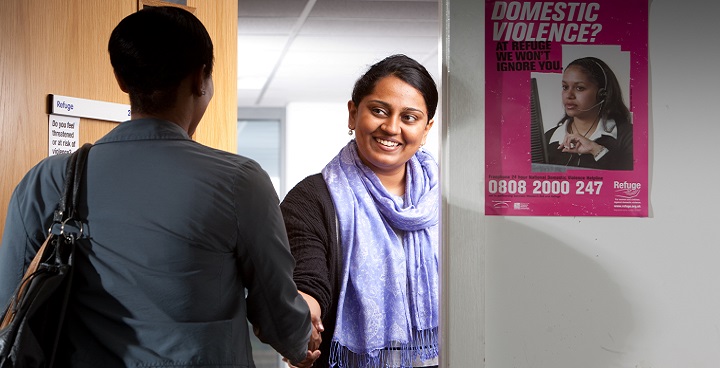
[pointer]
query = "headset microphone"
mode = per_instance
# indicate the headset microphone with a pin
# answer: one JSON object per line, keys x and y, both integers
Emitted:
{"x": 592, "y": 107}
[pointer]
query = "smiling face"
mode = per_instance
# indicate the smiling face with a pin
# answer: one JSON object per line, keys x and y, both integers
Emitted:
{"x": 391, "y": 123}
{"x": 579, "y": 92}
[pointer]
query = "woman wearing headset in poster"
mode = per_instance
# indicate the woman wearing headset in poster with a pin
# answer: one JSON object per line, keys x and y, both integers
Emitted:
{"x": 595, "y": 131}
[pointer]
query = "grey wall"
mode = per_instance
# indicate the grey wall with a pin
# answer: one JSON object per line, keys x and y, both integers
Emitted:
{"x": 461, "y": 163}
{"x": 589, "y": 292}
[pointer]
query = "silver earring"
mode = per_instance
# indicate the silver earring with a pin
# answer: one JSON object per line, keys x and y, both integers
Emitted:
{"x": 202, "y": 92}
{"x": 350, "y": 132}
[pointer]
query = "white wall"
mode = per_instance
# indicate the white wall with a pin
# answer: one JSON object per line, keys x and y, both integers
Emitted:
{"x": 602, "y": 292}
{"x": 314, "y": 133}
{"x": 462, "y": 155}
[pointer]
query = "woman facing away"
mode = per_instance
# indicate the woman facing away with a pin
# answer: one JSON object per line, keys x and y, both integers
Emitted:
{"x": 183, "y": 243}
{"x": 364, "y": 231}
{"x": 596, "y": 131}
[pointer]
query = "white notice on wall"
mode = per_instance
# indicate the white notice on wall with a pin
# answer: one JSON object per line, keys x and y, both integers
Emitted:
{"x": 63, "y": 132}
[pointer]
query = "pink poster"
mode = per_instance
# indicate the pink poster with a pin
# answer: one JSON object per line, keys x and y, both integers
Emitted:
{"x": 566, "y": 108}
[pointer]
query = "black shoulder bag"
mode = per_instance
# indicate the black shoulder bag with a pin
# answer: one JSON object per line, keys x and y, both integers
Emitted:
{"x": 33, "y": 319}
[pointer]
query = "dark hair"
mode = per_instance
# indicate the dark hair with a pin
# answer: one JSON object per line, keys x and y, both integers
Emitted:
{"x": 154, "y": 49}
{"x": 601, "y": 74}
{"x": 406, "y": 69}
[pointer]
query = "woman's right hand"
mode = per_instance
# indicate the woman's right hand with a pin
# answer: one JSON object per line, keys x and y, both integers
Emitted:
{"x": 315, "y": 312}
{"x": 576, "y": 143}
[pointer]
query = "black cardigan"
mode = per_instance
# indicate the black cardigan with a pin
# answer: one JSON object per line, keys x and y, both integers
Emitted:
{"x": 310, "y": 221}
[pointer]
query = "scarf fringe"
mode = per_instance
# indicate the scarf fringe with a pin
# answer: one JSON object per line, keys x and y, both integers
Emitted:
{"x": 423, "y": 346}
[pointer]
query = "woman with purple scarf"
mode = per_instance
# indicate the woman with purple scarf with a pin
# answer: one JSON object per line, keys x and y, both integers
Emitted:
{"x": 364, "y": 231}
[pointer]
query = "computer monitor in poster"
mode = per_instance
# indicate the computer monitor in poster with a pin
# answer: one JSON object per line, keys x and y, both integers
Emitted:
{"x": 538, "y": 145}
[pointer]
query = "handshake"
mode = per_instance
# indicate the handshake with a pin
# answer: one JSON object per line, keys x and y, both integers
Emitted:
{"x": 315, "y": 338}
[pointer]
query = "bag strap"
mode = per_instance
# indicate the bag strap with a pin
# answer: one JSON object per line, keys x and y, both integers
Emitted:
{"x": 71, "y": 188}
{"x": 80, "y": 163}
{"x": 71, "y": 198}
{"x": 67, "y": 207}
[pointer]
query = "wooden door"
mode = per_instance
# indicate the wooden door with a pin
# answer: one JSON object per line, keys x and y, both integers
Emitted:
{"x": 60, "y": 47}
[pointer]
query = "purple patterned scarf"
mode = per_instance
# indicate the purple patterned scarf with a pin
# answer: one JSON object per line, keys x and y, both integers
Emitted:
{"x": 388, "y": 307}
